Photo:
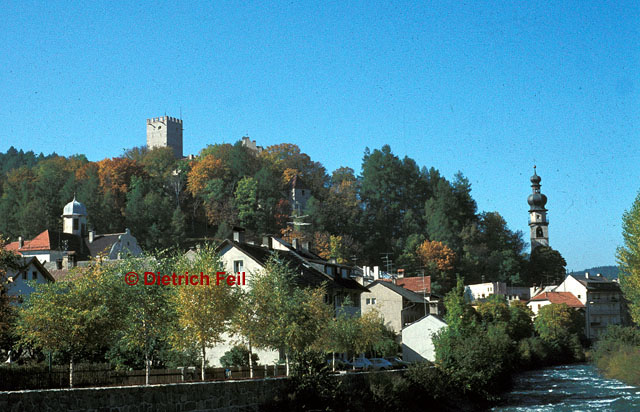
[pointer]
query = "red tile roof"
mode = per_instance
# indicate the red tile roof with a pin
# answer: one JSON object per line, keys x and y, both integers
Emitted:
{"x": 559, "y": 297}
{"x": 12, "y": 247}
{"x": 40, "y": 242}
{"x": 52, "y": 240}
{"x": 414, "y": 283}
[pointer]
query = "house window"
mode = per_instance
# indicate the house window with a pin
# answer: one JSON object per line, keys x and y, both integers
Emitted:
{"x": 75, "y": 223}
{"x": 578, "y": 296}
{"x": 373, "y": 301}
{"x": 539, "y": 232}
{"x": 303, "y": 193}
{"x": 24, "y": 275}
{"x": 368, "y": 301}
{"x": 238, "y": 265}
{"x": 34, "y": 275}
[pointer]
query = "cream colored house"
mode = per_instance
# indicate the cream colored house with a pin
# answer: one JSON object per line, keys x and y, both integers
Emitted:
{"x": 602, "y": 299}
{"x": 240, "y": 256}
{"x": 397, "y": 305}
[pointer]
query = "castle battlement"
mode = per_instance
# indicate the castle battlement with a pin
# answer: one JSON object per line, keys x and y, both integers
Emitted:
{"x": 164, "y": 119}
{"x": 165, "y": 131}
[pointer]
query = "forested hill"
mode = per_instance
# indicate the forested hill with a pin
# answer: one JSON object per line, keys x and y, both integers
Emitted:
{"x": 392, "y": 205}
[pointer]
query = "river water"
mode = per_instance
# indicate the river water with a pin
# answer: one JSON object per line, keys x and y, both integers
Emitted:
{"x": 569, "y": 388}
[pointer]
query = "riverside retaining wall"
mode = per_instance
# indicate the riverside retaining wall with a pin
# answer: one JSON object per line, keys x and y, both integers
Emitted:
{"x": 221, "y": 396}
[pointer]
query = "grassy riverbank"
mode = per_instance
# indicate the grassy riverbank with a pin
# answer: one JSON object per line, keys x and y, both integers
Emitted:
{"x": 617, "y": 354}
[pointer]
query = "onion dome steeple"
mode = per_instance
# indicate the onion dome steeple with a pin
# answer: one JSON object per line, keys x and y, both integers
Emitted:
{"x": 536, "y": 200}
{"x": 538, "y": 214}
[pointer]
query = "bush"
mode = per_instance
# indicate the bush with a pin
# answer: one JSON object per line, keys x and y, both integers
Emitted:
{"x": 479, "y": 360}
{"x": 617, "y": 354}
{"x": 238, "y": 356}
{"x": 532, "y": 352}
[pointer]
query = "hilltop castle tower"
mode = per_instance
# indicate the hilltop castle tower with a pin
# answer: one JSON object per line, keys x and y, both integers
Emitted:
{"x": 165, "y": 131}
{"x": 538, "y": 214}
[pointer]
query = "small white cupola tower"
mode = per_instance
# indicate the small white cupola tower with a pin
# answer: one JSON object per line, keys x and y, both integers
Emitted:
{"x": 74, "y": 218}
{"x": 538, "y": 214}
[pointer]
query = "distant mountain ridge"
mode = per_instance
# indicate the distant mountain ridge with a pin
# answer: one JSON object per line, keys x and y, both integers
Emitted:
{"x": 609, "y": 272}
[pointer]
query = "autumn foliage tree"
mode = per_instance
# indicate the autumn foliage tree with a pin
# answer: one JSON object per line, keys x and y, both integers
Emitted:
{"x": 204, "y": 311}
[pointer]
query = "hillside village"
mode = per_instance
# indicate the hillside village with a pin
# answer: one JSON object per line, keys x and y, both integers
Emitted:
{"x": 311, "y": 221}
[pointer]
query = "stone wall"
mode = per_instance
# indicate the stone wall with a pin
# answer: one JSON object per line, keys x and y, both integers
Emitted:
{"x": 222, "y": 396}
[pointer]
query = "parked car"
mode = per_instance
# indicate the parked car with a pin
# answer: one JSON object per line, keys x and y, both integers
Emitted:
{"x": 361, "y": 364}
{"x": 340, "y": 365}
{"x": 380, "y": 364}
{"x": 397, "y": 363}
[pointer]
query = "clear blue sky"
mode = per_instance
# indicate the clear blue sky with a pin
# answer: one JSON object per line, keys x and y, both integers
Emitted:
{"x": 487, "y": 89}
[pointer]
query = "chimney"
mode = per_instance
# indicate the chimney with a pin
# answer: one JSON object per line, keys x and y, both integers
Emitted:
{"x": 376, "y": 273}
{"x": 295, "y": 245}
{"x": 586, "y": 275}
{"x": 305, "y": 245}
{"x": 92, "y": 235}
{"x": 266, "y": 242}
{"x": 400, "y": 273}
{"x": 67, "y": 261}
{"x": 599, "y": 275}
{"x": 238, "y": 235}
{"x": 20, "y": 242}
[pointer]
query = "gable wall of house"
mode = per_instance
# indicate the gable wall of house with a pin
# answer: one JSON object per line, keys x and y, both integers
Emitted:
{"x": 230, "y": 254}
{"x": 21, "y": 286}
{"x": 417, "y": 339}
{"x": 387, "y": 302}
{"x": 126, "y": 245}
{"x": 571, "y": 284}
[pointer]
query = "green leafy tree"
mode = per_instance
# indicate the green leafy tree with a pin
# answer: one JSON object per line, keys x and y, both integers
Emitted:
{"x": 246, "y": 201}
{"x": 238, "y": 356}
{"x": 149, "y": 318}
{"x": 72, "y": 317}
{"x": 8, "y": 261}
{"x": 629, "y": 259}
{"x": 520, "y": 323}
{"x": 546, "y": 266}
{"x": 289, "y": 317}
{"x": 561, "y": 327}
{"x": 393, "y": 192}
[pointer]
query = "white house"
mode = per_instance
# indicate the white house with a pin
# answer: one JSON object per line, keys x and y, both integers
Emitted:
{"x": 602, "y": 299}
{"x": 21, "y": 280}
{"x": 417, "y": 342}
{"x": 480, "y": 291}
{"x": 547, "y": 298}
{"x": 240, "y": 256}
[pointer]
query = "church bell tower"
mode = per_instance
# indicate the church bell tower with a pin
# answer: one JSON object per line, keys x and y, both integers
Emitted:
{"x": 537, "y": 214}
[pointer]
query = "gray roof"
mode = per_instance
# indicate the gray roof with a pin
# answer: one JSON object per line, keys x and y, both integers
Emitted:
{"x": 74, "y": 208}
{"x": 596, "y": 282}
{"x": 405, "y": 293}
